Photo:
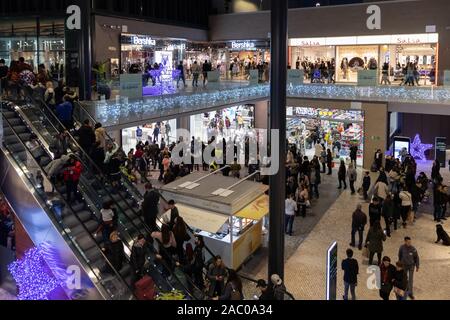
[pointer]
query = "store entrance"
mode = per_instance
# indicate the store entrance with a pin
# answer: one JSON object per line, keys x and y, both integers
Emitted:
{"x": 338, "y": 130}
{"x": 158, "y": 132}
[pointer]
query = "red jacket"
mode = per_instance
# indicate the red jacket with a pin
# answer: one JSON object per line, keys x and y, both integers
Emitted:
{"x": 74, "y": 172}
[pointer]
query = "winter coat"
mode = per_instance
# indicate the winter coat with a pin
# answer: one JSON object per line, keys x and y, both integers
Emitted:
{"x": 56, "y": 166}
{"x": 73, "y": 173}
{"x": 375, "y": 238}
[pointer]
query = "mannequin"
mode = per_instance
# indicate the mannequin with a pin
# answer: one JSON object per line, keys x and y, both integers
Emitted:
{"x": 344, "y": 67}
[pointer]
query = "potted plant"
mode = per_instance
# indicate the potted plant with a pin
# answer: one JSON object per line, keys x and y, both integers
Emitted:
{"x": 101, "y": 84}
{"x": 172, "y": 295}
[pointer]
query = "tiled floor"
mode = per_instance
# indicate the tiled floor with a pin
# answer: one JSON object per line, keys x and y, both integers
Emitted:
{"x": 305, "y": 270}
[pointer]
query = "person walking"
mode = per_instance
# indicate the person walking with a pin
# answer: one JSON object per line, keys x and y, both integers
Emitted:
{"x": 366, "y": 185}
{"x": 359, "y": 221}
{"x": 387, "y": 273}
{"x": 114, "y": 251}
{"x": 329, "y": 161}
{"x": 207, "y": 67}
{"x": 374, "y": 211}
{"x": 86, "y": 136}
{"x": 354, "y": 154}
{"x": 342, "y": 173}
{"x": 385, "y": 74}
{"x": 387, "y": 212}
{"x": 290, "y": 209}
{"x": 351, "y": 271}
{"x": 137, "y": 258}
{"x": 233, "y": 288}
{"x": 380, "y": 190}
{"x": 409, "y": 258}
{"x": 181, "y": 76}
{"x": 72, "y": 174}
{"x": 149, "y": 206}
{"x": 216, "y": 275}
{"x": 195, "y": 69}
{"x": 400, "y": 282}
{"x": 352, "y": 177}
{"x": 323, "y": 158}
{"x": 374, "y": 242}
{"x": 406, "y": 202}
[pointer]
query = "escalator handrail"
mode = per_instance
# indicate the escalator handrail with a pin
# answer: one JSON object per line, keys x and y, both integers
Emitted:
{"x": 117, "y": 274}
{"x": 81, "y": 150}
{"x": 131, "y": 186}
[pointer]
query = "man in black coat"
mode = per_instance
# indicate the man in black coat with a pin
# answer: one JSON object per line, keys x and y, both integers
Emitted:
{"x": 351, "y": 270}
{"x": 137, "y": 258}
{"x": 374, "y": 211}
{"x": 150, "y": 206}
{"x": 359, "y": 221}
{"x": 86, "y": 136}
{"x": 366, "y": 184}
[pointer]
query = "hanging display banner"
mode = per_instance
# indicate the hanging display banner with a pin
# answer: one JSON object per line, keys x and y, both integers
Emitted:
{"x": 295, "y": 77}
{"x": 440, "y": 151}
{"x": 446, "y": 78}
{"x": 253, "y": 77}
{"x": 367, "y": 78}
{"x": 131, "y": 85}
{"x": 332, "y": 264}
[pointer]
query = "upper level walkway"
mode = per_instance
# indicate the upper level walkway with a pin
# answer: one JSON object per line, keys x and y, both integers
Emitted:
{"x": 123, "y": 112}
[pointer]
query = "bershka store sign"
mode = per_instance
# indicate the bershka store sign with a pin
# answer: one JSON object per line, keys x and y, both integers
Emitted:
{"x": 138, "y": 40}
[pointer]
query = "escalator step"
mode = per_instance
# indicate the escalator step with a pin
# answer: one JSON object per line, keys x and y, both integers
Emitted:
{"x": 15, "y": 122}
{"x": 9, "y": 114}
{"x": 16, "y": 148}
{"x": 126, "y": 270}
{"x": 71, "y": 222}
{"x": 78, "y": 207}
{"x": 91, "y": 225}
{"x": 84, "y": 215}
{"x": 8, "y": 140}
{"x": 93, "y": 254}
{"x": 84, "y": 241}
{"x": 25, "y": 136}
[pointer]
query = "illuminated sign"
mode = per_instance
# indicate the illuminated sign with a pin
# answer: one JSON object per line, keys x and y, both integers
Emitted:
{"x": 243, "y": 45}
{"x": 172, "y": 47}
{"x": 366, "y": 40}
{"x": 332, "y": 264}
{"x": 143, "y": 41}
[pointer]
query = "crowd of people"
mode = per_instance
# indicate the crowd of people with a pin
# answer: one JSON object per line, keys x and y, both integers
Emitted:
{"x": 395, "y": 196}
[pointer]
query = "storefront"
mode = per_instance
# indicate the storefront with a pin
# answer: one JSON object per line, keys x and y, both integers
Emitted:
{"x": 131, "y": 136}
{"x": 229, "y": 122}
{"x": 138, "y": 51}
{"x": 42, "y": 43}
{"x": 355, "y": 53}
{"x": 233, "y": 59}
{"x": 227, "y": 212}
{"x": 340, "y": 129}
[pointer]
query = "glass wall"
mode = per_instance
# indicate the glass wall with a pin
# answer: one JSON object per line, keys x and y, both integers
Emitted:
{"x": 39, "y": 42}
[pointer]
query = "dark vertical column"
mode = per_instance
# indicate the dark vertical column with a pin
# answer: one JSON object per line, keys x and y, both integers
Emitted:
{"x": 38, "y": 41}
{"x": 277, "y": 115}
{"x": 79, "y": 51}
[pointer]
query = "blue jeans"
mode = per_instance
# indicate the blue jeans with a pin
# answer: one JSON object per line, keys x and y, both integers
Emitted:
{"x": 352, "y": 288}
{"x": 289, "y": 222}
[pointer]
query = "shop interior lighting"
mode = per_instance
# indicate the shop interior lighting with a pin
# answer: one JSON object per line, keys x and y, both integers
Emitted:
{"x": 112, "y": 113}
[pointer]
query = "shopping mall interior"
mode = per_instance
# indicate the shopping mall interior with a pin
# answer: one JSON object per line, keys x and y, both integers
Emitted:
{"x": 224, "y": 150}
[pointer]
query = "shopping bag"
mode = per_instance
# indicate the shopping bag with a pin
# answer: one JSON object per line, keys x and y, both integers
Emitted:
{"x": 145, "y": 289}
{"x": 365, "y": 252}
{"x": 399, "y": 292}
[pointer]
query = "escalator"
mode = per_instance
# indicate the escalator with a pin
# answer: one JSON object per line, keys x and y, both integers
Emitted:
{"x": 98, "y": 188}
{"x": 76, "y": 222}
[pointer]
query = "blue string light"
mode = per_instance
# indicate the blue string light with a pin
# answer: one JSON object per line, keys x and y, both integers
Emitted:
{"x": 33, "y": 276}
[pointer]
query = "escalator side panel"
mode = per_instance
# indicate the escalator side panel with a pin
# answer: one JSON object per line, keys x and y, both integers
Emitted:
{"x": 41, "y": 229}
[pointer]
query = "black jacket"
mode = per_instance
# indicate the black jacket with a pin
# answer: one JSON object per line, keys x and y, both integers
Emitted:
{"x": 374, "y": 213}
{"x": 359, "y": 219}
{"x": 115, "y": 254}
{"x": 137, "y": 258}
{"x": 150, "y": 203}
{"x": 400, "y": 280}
{"x": 366, "y": 183}
{"x": 87, "y": 137}
{"x": 351, "y": 270}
